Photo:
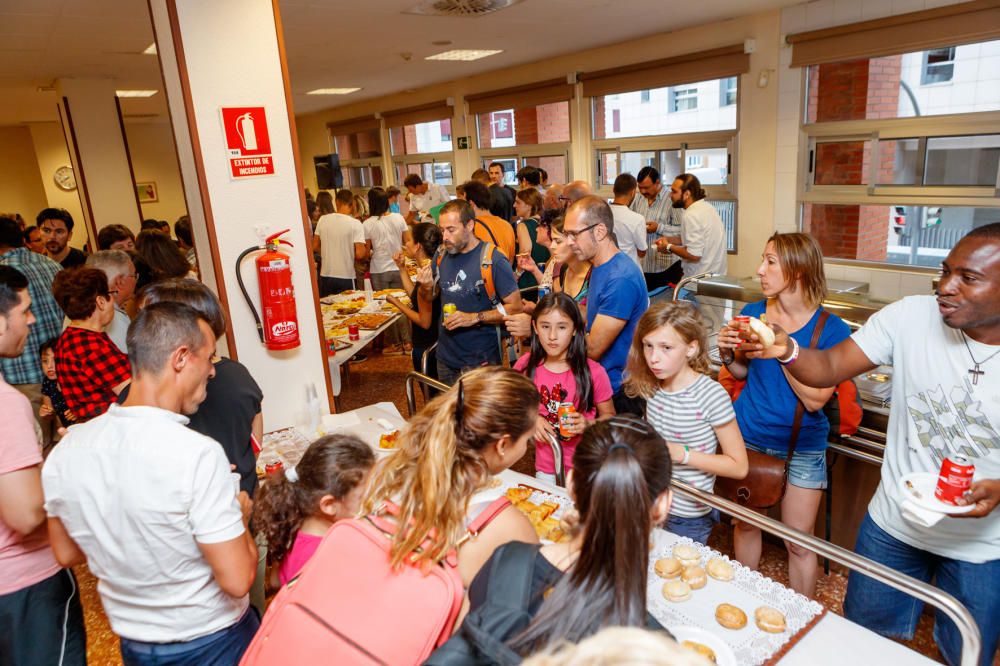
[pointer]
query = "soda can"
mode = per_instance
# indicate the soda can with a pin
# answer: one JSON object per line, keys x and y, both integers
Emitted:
{"x": 565, "y": 409}
{"x": 954, "y": 480}
{"x": 449, "y": 309}
{"x": 272, "y": 467}
{"x": 353, "y": 333}
{"x": 744, "y": 324}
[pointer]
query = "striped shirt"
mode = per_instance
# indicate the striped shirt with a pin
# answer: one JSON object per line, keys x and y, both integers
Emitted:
{"x": 663, "y": 213}
{"x": 688, "y": 417}
{"x": 40, "y": 271}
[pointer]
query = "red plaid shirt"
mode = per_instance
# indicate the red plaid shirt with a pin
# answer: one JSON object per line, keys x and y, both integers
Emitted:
{"x": 89, "y": 366}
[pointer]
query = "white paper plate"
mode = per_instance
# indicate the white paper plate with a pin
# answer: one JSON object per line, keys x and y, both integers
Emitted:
{"x": 920, "y": 491}
{"x": 724, "y": 655}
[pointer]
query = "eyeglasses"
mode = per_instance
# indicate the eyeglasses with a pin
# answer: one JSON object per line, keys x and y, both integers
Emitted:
{"x": 573, "y": 235}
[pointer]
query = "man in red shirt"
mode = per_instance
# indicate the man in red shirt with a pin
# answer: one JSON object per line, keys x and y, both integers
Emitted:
{"x": 40, "y": 610}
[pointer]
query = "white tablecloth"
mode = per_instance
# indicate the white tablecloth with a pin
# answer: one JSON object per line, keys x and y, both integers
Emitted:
{"x": 833, "y": 640}
{"x": 336, "y": 360}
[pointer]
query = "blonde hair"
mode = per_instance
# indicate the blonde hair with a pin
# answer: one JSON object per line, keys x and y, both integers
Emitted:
{"x": 439, "y": 465}
{"x": 685, "y": 319}
{"x": 801, "y": 260}
{"x": 620, "y": 645}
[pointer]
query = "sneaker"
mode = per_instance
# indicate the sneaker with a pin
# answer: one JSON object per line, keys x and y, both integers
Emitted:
{"x": 358, "y": 358}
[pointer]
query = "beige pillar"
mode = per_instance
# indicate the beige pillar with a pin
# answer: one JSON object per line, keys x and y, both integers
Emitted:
{"x": 95, "y": 135}
{"x": 229, "y": 54}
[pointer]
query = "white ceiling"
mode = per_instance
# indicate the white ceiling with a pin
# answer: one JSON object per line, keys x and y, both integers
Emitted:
{"x": 330, "y": 43}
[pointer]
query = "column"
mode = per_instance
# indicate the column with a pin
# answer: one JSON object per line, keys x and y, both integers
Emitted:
{"x": 215, "y": 57}
{"x": 95, "y": 135}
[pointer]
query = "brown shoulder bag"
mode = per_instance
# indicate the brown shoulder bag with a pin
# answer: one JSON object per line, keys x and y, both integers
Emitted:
{"x": 764, "y": 485}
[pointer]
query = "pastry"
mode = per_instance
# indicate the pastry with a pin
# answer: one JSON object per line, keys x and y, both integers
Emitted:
{"x": 703, "y": 650}
{"x": 695, "y": 577}
{"x": 677, "y": 590}
{"x": 730, "y": 617}
{"x": 719, "y": 569}
{"x": 770, "y": 620}
{"x": 667, "y": 567}
{"x": 518, "y": 494}
{"x": 688, "y": 555}
{"x": 763, "y": 332}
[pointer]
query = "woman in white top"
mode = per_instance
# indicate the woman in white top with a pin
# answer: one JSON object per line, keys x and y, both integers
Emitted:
{"x": 384, "y": 234}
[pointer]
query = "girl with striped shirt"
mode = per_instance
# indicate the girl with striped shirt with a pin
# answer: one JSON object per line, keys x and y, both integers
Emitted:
{"x": 668, "y": 366}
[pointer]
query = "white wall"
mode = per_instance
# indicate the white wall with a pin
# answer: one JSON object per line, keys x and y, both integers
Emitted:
{"x": 50, "y": 154}
{"x": 21, "y": 189}
{"x": 154, "y": 159}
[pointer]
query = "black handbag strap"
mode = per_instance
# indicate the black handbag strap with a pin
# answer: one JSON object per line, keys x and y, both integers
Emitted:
{"x": 800, "y": 409}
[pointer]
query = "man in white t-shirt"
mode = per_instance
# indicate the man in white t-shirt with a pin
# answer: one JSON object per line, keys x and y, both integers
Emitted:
{"x": 151, "y": 506}
{"x": 945, "y": 356}
{"x": 630, "y": 227}
{"x": 422, "y": 197}
{"x": 340, "y": 240}
{"x": 702, "y": 243}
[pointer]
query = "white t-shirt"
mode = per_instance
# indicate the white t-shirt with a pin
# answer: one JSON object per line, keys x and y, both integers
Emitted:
{"x": 936, "y": 411}
{"x": 337, "y": 235}
{"x": 435, "y": 196}
{"x": 689, "y": 417}
{"x": 630, "y": 230}
{"x": 703, "y": 235}
{"x": 386, "y": 235}
{"x": 138, "y": 491}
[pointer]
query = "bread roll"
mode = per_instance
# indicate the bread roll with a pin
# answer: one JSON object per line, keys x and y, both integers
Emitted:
{"x": 770, "y": 620}
{"x": 695, "y": 577}
{"x": 701, "y": 649}
{"x": 667, "y": 567}
{"x": 763, "y": 332}
{"x": 676, "y": 590}
{"x": 719, "y": 569}
{"x": 730, "y": 617}
{"x": 688, "y": 555}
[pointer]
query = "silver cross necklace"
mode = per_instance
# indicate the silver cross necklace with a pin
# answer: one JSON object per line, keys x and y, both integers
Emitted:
{"x": 975, "y": 371}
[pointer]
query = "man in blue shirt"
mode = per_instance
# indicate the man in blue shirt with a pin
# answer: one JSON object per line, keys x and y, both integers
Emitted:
{"x": 24, "y": 372}
{"x": 469, "y": 335}
{"x": 617, "y": 296}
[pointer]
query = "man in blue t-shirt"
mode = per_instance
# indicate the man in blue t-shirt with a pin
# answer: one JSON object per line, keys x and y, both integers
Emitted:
{"x": 617, "y": 296}
{"x": 469, "y": 336}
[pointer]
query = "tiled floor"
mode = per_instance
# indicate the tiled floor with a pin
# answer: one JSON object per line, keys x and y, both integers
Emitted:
{"x": 381, "y": 378}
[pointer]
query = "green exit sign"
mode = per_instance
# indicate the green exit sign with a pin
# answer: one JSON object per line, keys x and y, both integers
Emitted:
{"x": 463, "y": 143}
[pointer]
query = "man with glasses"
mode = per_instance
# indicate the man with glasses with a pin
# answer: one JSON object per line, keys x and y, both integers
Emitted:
{"x": 23, "y": 371}
{"x": 118, "y": 266}
{"x": 617, "y": 296}
{"x": 656, "y": 208}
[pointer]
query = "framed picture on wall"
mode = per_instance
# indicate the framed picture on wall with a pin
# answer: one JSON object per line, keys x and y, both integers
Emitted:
{"x": 146, "y": 192}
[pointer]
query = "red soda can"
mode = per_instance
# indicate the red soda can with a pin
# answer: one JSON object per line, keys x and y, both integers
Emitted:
{"x": 565, "y": 409}
{"x": 272, "y": 467}
{"x": 353, "y": 333}
{"x": 955, "y": 479}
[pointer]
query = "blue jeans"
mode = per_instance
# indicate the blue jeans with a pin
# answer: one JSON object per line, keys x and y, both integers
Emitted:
{"x": 697, "y": 529}
{"x": 892, "y": 613}
{"x": 222, "y": 648}
{"x": 807, "y": 470}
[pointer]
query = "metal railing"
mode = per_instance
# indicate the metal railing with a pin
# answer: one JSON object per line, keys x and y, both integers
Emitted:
{"x": 946, "y": 603}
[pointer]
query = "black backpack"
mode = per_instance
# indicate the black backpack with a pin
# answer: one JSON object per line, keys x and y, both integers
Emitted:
{"x": 481, "y": 638}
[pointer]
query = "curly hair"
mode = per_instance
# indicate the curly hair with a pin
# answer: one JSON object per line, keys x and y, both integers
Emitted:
{"x": 332, "y": 465}
{"x": 439, "y": 464}
{"x": 685, "y": 319}
{"x": 76, "y": 291}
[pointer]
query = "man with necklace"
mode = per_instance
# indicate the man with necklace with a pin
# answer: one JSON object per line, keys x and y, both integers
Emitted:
{"x": 945, "y": 402}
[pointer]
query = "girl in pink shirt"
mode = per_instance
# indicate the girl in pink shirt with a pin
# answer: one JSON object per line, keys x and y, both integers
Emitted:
{"x": 559, "y": 367}
{"x": 296, "y": 507}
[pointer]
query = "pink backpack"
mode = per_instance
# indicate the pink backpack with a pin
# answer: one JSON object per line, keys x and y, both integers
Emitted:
{"x": 349, "y": 606}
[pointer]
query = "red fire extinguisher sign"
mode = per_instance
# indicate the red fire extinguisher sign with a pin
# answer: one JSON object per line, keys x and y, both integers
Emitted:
{"x": 248, "y": 145}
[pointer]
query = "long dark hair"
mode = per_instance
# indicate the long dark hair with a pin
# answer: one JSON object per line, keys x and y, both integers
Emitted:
{"x": 576, "y": 355}
{"x": 161, "y": 255}
{"x": 427, "y": 236}
{"x": 620, "y": 469}
{"x": 378, "y": 202}
{"x": 332, "y": 465}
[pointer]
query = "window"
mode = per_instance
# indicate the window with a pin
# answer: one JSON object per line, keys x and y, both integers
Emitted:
{"x": 727, "y": 91}
{"x": 360, "y": 156}
{"x": 545, "y": 123}
{"x": 358, "y": 145}
{"x": 432, "y": 137}
{"x": 683, "y": 99}
{"x": 938, "y": 66}
{"x": 429, "y": 172}
{"x": 878, "y": 156}
{"x": 629, "y": 115}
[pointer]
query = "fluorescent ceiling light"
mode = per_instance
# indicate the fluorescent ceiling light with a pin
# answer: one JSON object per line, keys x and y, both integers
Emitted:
{"x": 151, "y": 49}
{"x": 135, "y": 93}
{"x": 332, "y": 91}
{"x": 464, "y": 54}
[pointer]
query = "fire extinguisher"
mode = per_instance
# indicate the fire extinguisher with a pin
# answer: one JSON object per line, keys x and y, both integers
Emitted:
{"x": 280, "y": 326}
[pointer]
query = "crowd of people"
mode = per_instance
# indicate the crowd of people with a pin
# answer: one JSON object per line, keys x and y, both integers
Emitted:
{"x": 154, "y": 483}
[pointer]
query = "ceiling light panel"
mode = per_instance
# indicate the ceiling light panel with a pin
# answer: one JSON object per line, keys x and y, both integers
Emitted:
{"x": 151, "y": 49}
{"x": 464, "y": 54}
{"x": 333, "y": 91}
{"x": 135, "y": 93}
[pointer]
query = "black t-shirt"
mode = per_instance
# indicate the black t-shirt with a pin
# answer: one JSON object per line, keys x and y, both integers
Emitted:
{"x": 424, "y": 338}
{"x": 74, "y": 258}
{"x": 232, "y": 400}
{"x": 544, "y": 575}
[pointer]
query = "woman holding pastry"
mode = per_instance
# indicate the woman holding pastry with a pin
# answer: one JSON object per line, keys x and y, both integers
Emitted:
{"x": 792, "y": 280}
{"x": 420, "y": 247}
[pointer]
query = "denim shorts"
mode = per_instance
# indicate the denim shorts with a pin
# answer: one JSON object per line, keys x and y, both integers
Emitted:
{"x": 808, "y": 468}
{"x": 697, "y": 529}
